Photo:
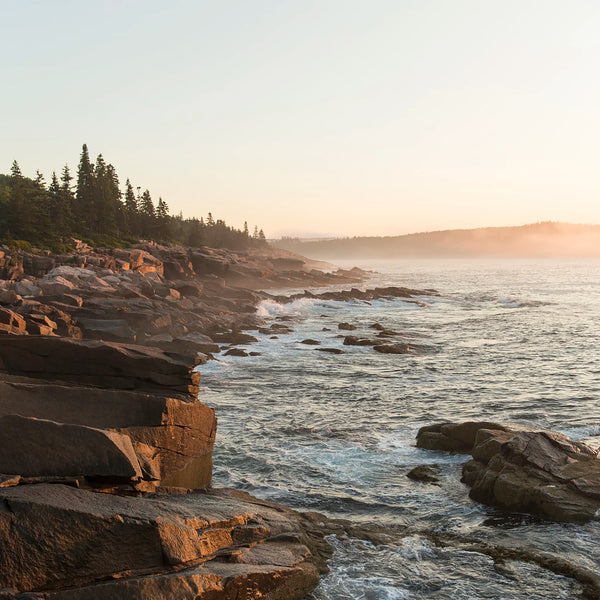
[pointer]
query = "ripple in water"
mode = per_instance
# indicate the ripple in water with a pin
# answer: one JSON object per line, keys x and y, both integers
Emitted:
{"x": 509, "y": 341}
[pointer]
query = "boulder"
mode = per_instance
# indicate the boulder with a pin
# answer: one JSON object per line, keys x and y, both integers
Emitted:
{"x": 392, "y": 348}
{"x": 9, "y": 297}
{"x": 352, "y": 340}
{"x": 27, "y": 288}
{"x": 55, "y": 286}
{"x": 425, "y": 473}
{"x": 534, "y": 471}
{"x": 233, "y": 337}
{"x": 310, "y": 342}
{"x": 32, "y": 447}
{"x": 346, "y": 326}
{"x": 331, "y": 350}
{"x": 236, "y": 352}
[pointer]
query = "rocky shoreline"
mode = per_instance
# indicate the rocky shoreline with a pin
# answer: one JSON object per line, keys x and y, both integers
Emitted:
{"x": 106, "y": 458}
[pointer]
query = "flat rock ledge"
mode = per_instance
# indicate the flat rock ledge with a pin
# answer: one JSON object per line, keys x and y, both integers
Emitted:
{"x": 63, "y": 543}
{"x": 520, "y": 469}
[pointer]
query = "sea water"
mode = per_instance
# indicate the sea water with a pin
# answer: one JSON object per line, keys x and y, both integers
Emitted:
{"x": 505, "y": 340}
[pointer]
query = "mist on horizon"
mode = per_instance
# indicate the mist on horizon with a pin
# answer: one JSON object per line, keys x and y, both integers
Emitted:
{"x": 538, "y": 240}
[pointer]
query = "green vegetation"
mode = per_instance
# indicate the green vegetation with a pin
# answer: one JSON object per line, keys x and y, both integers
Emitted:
{"x": 96, "y": 211}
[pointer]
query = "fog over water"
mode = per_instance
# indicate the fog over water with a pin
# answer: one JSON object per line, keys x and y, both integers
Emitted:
{"x": 512, "y": 340}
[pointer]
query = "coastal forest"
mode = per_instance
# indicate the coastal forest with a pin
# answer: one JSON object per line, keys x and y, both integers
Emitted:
{"x": 91, "y": 206}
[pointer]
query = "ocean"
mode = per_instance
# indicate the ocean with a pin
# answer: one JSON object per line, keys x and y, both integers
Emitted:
{"x": 505, "y": 340}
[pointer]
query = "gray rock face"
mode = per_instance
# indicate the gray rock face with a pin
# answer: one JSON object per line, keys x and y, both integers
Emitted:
{"x": 540, "y": 472}
{"x": 221, "y": 544}
{"x": 38, "y": 447}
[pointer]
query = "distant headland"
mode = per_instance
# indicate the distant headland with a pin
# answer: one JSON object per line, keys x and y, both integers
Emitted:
{"x": 537, "y": 240}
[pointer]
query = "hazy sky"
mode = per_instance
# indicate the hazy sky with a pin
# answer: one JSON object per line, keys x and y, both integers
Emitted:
{"x": 331, "y": 117}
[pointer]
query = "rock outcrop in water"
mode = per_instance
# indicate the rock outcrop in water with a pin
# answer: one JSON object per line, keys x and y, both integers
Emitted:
{"x": 518, "y": 469}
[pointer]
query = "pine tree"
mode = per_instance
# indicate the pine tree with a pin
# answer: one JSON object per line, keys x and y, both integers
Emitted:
{"x": 131, "y": 210}
{"x": 85, "y": 211}
{"x": 162, "y": 214}
{"x": 67, "y": 201}
{"x": 246, "y": 232}
{"x": 148, "y": 215}
{"x": 39, "y": 180}
{"x": 15, "y": 170}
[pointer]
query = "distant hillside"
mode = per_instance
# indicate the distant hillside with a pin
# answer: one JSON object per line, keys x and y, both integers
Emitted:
{"x": 538, "y": 240}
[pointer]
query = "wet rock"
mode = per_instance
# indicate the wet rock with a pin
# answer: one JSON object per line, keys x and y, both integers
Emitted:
{"x": 540, "y": 472}
{"x": 32, "y": 447}
{"x": 377, "y": 326}
{"x": 383, "y": 333}
{"x": 277, "y": 328}
{"x": 346, "y": 326}
{"x": 392, "y": 348}
{"x": 454, "y": 437}
{"x": 236, "y": 352}
{"x": 352, "y": 340}
{"x": 234, "y": 337}
{"x": 310, "y": 342}
{"x": 255, "y": 353}
{"x": 425, "y": 473}
{"x": 331, "y": 350}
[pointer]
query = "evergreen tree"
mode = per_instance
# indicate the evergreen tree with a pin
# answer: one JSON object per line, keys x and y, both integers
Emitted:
{"x": 131, "y": 210}
{"x": 39, "y": 180}
{"x": 246, "y": 232}
{"x": 162, "y": 215}
{"x": 147, "y": 215}
{"x": 85, "y": 210}
{"x": 15, "y": 170}
{"x": 67, "y": 201}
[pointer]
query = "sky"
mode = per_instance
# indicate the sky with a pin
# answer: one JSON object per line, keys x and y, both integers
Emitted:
{"x": 316, "y": 118}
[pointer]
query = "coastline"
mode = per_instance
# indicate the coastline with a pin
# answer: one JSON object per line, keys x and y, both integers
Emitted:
{"x": 149, "y": 395}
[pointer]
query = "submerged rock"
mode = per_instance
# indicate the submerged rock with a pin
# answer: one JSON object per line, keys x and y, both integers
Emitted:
{"x": 310, "y": 342}
{"x": 425, "y": 473}
{"x": 352, "y": 340}
{"x": 331, "y": 350}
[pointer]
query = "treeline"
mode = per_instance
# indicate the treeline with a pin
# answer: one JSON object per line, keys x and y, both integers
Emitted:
{"x": 92, "y": 207}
